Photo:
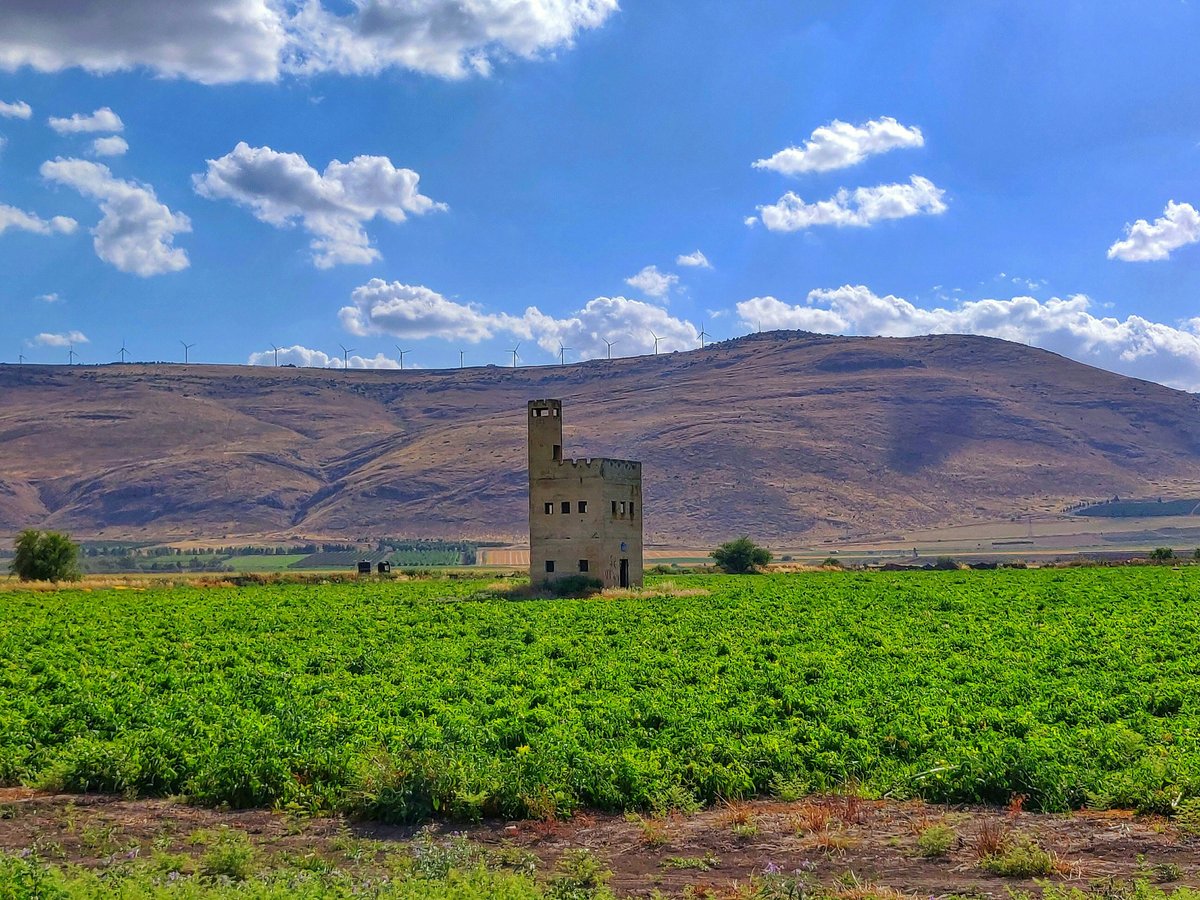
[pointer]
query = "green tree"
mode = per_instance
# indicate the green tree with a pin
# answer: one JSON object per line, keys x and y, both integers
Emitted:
{"x": 1162, "y": 554}
{"x": 741, "y": 556}
{"x": 45, "y": 556}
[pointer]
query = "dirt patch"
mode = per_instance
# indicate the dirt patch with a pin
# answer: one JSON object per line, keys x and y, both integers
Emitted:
{"x": 836, "y": 841}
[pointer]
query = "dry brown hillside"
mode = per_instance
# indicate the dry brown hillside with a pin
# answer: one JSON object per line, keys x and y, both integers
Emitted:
{"x": 785, "y": 435}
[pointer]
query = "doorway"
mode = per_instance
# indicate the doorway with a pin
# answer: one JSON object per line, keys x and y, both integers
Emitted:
{"x": 624, "y": 573}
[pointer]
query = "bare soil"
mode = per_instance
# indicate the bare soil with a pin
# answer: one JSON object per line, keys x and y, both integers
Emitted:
{"x": 842, "y": 842}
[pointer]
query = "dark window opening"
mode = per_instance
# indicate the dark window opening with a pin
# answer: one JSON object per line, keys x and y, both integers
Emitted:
{"x": 558, "y": 453}
{"x": 583, "y": 565}
{"x": 549, "y": 508}
{"x": 624, "y": 579}
{"x": 566, "y": 506}
{"x": 583, "y": 506}
{"x": 631, "y": 510}
{"x": 614, "y": 507}
{"x": 549, "y": 565}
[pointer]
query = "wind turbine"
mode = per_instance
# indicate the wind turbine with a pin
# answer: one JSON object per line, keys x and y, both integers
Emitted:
{"x": 610, "y": 346}
{"x": 656, "y": 340}
{"x": 346, "y": 351}
{"x": 186, "y": 348}
{"x": 276, "y": 349}
{"x": 123, "y": 352}
{"x": 71, "y": 354}
{"x": 562, "y": 354}
{"x": 461, "y": 354}
{"x": 703, "y": 334}
{"x": 401, "y": 352}
{"x": 20, "y": 359}
{"x": 516, "y": 356}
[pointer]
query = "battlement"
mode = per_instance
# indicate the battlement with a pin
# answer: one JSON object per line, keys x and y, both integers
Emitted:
{"x": 585, "y": 513}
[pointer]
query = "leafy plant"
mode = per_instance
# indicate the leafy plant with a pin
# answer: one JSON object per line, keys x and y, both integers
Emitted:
{"x": 936, "y": 840}
{"x": 1162, "y": 554}
{"x": 741, "y": 556}
{"x": 229, "y": 854}
{"x": 45, "y": 556}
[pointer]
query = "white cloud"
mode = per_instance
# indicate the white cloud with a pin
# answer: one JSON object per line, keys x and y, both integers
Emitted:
{"x": 220, "y": 41}
{"x": 110, "y": 146}
{"x": 446, "y": 38}
{"x": 48, "y": 298}
{"x": 305, "y": 357}
{"x": 102, "y": 120}
{"x": 333, "y": 206}
{"x": 136, "y": 232}
{"x": 840, "y": 144}
{"x": 652, "y": 282}
{"x": 860, "y": 207}
{"x": 210, "y": 41}
{"x": 630, "y": 324}
{"x": 18, "y": 110}
{"x": 415, "y": 312}
{"x": 62, "y": 339}
{"x": 11, "y": 217}
{"x": 696, "y": 260}
{"x": 1133, "y": 346}
{"x": 1179, "y": 225}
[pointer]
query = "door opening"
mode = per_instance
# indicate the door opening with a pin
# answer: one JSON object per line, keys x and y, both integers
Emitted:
{"x": 624, "y": 573}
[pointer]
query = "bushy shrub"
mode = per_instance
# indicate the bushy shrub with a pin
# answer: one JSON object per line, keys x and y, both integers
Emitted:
{"x": 45, "y": 556}
{"x": 575, "y": 586}
{"x": 741, "y": 557}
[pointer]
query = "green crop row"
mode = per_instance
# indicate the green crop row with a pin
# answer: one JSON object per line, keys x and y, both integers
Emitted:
{"x": 403, "y": 700}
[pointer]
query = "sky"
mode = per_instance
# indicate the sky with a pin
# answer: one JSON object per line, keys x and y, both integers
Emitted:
{"x": 347, "y": 179}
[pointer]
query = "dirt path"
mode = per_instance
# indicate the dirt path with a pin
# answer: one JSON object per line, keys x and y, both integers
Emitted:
{"x": 839, "y": 842}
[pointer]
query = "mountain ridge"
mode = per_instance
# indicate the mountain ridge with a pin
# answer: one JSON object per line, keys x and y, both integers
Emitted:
{"x": 789, "y": 436}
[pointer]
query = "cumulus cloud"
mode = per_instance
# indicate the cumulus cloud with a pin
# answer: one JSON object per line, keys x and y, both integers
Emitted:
{"x": 333, "y": 206}
{"x": 110, "y": 146}
{"x": 19, "y": 220}
{"x": 859, "y": 208}
{"x": 102, "y": 120}
{"x": 210, "y": 41}
{"x": 696, "y": 260}
{"x": 839, "y": 145}
{"x": 652, "y": 282}
{"x": 217, "y": 41}
{"x": 446, "y": 38}
{"x": 136, "y": 232}
{"x": 415, "y": 312}
{"x": 48, "y": 298}
{"x": 61, "y": 339}
{"x": 630, "y": 324}
{"x": 18, "y": 110}
{"x": 1179, "y": 225}
{"x": 305, "y": 357}
{"x": 1133, "y": 346}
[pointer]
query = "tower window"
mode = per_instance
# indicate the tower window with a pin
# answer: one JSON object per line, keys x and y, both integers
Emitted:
{"x": 583, "y": 565}
{"x": 557, "y": 454}
{"x": 622, "y": 507}
{"x": 582, "y": 506}
{"x": 614, "y": 507}
{"x": 566, "y": 506}
{"x": 549, "y": 565}
{"x": 631, "y": 510}
{"x": 549, "y": 508}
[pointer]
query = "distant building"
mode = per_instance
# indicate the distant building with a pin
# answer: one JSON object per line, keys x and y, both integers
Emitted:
{"x": 585, "y": 515}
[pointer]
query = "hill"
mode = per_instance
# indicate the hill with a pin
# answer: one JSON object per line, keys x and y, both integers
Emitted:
{"x": 783, "y": 435}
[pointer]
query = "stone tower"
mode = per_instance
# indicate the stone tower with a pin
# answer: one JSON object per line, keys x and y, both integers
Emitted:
{"x": 585, "y": 515}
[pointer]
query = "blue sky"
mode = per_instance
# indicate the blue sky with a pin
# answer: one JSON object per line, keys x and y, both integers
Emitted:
{"x": 464, "y": 175}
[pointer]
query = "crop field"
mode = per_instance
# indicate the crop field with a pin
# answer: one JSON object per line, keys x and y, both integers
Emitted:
{"x": 446, "y": 698}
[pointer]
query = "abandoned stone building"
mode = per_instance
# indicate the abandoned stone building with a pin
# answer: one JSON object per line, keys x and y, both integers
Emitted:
{"x": 585, "y": 515}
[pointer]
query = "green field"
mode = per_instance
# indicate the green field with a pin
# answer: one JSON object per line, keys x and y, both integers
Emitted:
{"x": 264, "y": 563}
{"x": 439, "y": 697}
